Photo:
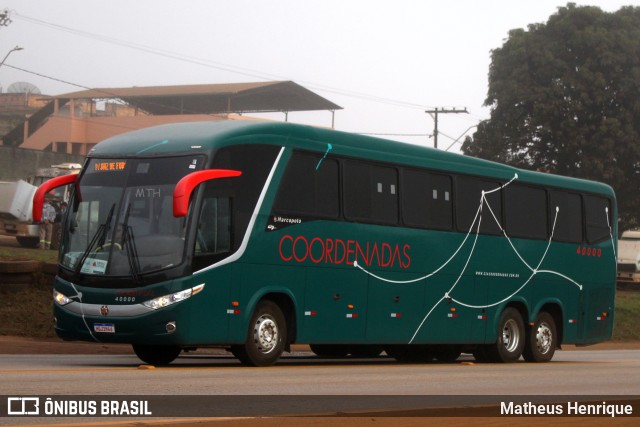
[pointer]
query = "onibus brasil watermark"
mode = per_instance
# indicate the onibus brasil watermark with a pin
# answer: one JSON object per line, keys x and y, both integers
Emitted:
{"x": 65, "y": 407}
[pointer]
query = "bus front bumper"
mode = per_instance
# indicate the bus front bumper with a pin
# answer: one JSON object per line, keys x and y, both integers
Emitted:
{"x": 129, "y": 324}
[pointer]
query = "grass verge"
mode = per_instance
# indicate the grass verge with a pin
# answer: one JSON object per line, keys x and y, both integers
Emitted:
{"x": 25, "y": 254}
{"x": 627, "y": 314}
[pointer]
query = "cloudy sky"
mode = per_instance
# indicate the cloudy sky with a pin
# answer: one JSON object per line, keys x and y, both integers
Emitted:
{"x": 385, "y": 62}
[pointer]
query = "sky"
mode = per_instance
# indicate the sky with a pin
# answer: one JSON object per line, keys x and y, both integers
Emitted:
{"x": 385, "y": 62}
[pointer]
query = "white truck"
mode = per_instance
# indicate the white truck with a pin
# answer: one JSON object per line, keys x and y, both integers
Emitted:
{"x": 16, "y": 199}
{"x": 629, "y": 257}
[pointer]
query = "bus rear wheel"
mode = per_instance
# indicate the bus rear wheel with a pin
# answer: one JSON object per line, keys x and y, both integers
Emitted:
{"x": 157, "y": 355}
{"x": 541, "y": 340}
{"x": 511, "y": 338}
{"x": 266, "y": 338}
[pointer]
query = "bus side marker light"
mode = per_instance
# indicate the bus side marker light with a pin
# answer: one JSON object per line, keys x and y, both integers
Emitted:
{"x": 482, "y": 317}
{"x": 235, "y": 304}
{"x": 452, "y": 315}
{"x": 232, "y": 311}
{"x": 350, "y": 306}
{"x": 396, "y": 315}
{"x": 310, "y": 313}
{"x": 573, "y": 321}
{"x": 352, "y": 315}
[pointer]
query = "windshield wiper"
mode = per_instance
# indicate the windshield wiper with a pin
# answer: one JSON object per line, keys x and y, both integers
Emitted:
{"x": 130, "y": 246}
{"x": 99, "y": 237}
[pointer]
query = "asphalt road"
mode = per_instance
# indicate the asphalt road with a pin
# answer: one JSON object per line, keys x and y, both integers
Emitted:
{"x": 304, "y": 384}
{"x": 612, "y": 372}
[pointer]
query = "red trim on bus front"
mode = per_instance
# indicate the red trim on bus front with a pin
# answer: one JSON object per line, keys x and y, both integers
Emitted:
{"x": 185, "y": 186}
{"x": 38, "y": 197}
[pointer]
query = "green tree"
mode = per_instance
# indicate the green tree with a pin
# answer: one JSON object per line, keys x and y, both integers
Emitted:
{"x": 565, "y": 99}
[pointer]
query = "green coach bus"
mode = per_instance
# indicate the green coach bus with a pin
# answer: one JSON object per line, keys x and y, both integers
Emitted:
{"x": 254, "y": 236}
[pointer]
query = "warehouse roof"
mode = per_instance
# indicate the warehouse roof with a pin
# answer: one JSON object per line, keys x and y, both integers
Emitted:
{"x": 213, "y": 98}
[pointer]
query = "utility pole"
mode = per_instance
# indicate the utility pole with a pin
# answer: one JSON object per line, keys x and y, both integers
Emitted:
{"x": 434, "y": 113}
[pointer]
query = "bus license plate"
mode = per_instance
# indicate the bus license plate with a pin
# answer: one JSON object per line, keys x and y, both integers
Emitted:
{"x": 108, "y": 328}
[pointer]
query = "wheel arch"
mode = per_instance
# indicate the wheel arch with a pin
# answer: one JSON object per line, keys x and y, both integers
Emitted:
{"x": 522, "y": 308}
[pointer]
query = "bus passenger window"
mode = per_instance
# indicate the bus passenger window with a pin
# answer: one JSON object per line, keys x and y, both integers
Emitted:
{"x": 309, "y": 187}
{"x": 569, "y": 216}
{"x": 370, "y": 193}
{"x": 468, "y": 198}
{"x": 525, "y": 212}
{"x": 597, "y": 216}
{"x": 426, "y": 200}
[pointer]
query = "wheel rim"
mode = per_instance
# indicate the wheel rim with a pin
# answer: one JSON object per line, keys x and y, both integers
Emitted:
{"x": 265, "y": 334}
{"x": 544, "y": 338}
{"x": 510, "y": 335}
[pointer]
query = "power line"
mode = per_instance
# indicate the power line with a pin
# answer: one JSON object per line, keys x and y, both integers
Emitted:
{"x": 218, "y": 65}
{"x": 233, "y": 69}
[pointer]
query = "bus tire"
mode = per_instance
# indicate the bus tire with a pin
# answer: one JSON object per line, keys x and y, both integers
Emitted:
{"x": 542, "y": 339}
{"x": 511, "y": 338}
{"x": 329, "y": 350}
{"x": 266, "y": 338}
{"x": 157, "y": 355}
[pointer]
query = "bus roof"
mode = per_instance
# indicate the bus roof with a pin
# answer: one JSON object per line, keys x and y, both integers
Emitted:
{"x": 204, "y": 137}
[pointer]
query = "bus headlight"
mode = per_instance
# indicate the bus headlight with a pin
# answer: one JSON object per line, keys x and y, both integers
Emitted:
{"x": 60, "y": 298}
{"x": 167, "y": 300}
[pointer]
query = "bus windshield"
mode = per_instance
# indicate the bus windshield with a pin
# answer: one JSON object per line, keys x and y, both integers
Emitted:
{"x": 121, "y": 221}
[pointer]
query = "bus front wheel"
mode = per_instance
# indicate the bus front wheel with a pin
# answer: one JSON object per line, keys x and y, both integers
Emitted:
{"x": 157, "y": 355}
{"x": 541, "y": 340}
{"x": 266, "y": 338}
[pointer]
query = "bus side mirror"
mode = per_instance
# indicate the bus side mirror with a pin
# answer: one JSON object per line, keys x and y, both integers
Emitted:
{"x": 38, "y": 197}
{"x": 184, "y": 188}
